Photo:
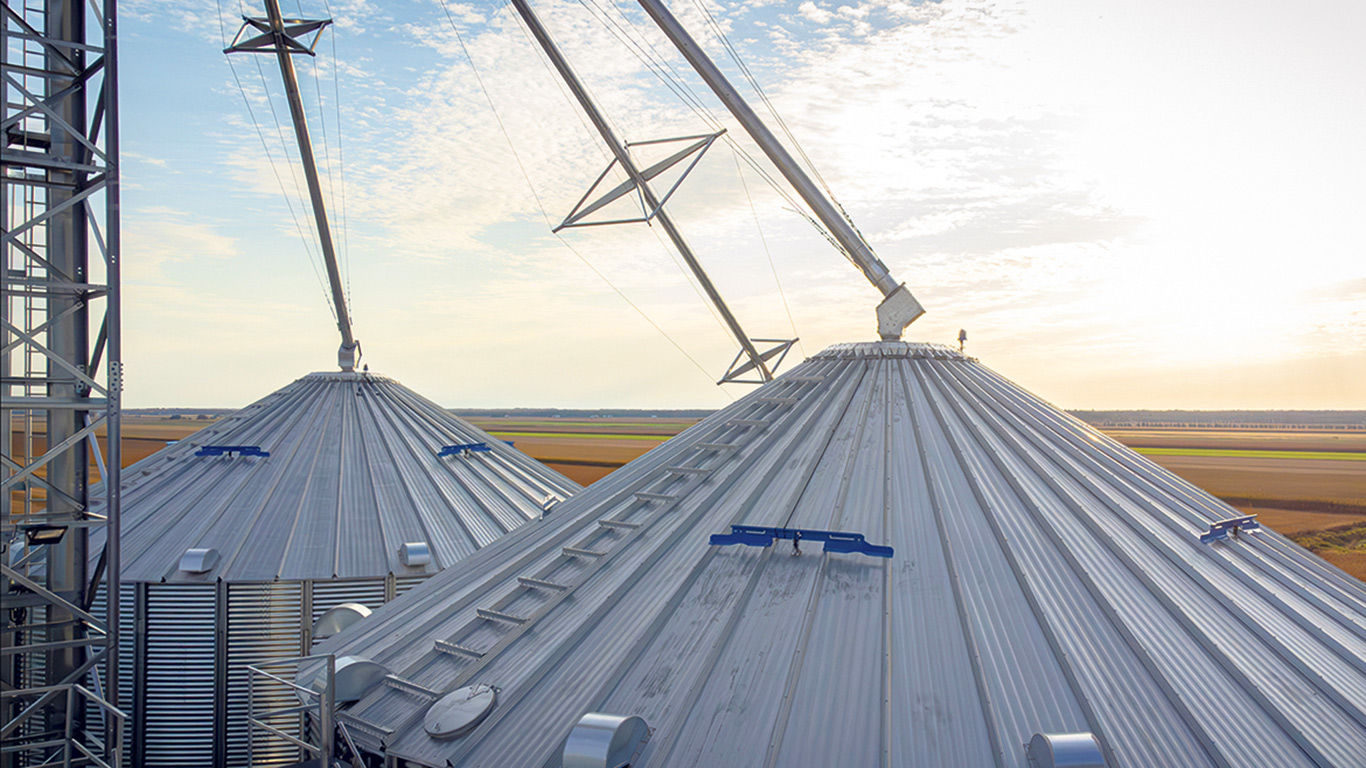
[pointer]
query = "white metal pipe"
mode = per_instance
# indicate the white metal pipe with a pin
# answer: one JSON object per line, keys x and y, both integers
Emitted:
{"x": 112, "y": 473}
{"x": 833, "y": 219}
{"x": 628, "y": 163}
{"x": 315, "y": 192}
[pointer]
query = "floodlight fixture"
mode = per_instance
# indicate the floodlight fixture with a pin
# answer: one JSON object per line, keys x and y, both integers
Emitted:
{"x": 44, "y": 534}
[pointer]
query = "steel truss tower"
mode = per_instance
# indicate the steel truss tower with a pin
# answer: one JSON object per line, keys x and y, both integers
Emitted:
{"x": 60, "y": 377}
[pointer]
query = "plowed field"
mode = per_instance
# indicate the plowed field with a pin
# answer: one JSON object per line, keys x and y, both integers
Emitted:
{"x": 1319, "y": 500}
{"x": 1308, "y": 485}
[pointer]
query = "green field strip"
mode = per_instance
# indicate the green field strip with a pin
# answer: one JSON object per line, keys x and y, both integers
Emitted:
{"x": 582, "y": 435}
{"x": 1231, "y": 453}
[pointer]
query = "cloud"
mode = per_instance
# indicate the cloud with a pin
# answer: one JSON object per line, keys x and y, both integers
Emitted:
{"x": 161, "y": 236}
{"x": 1082, "y": 187}
{"x": 1341, "y": 290}
{"x": 487, "y": 176}
{"x": 218, "y": 21}
{"x": 814, "y": 13}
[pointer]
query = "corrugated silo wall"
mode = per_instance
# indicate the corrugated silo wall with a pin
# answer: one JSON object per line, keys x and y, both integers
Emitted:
{"x": 184, "y": 650}
{"x": 176, "y": 674}
{"x": 127, "y": 631}
{"x": 265, "y": 622}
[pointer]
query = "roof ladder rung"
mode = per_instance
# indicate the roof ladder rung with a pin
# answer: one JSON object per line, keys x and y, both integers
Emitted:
{"x": 394, "y": 681}
{"x": 383, "y": 731}
{"x": 748, "y": 422}
{"x": 489, "y": 614}
{"x": 647, "y": 496}
{"x": 778, "y": 400}
{"x": 688, "y": 470}
{"x": 581, "y": 552}
{"x": 528, "y": 581}
{"x": 455, "y": 649}
{"x": 624, "y": 525}
{"x": 715, "y": 447}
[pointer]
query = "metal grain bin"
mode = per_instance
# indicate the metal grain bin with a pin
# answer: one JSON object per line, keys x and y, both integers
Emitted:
{"x": 236, "y": 539}
{"x": 889, "y": 556}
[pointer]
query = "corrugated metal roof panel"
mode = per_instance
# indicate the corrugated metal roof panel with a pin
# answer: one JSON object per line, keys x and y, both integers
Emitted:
{"x": 353, "y": 473}
{"x": 1045, "y": 579}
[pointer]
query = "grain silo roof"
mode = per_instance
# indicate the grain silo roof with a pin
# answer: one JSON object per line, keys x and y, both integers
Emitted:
{"x": 352, "y": 474}
{"x": 1045, "y": 579}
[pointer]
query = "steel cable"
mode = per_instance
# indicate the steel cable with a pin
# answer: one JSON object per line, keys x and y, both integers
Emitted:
{"x": 265, "y": 146}
{"x": 507, "y": 137}
{"x": 771, "y": 264}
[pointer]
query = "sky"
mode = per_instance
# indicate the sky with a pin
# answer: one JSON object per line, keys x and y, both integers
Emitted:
{"x": 1125, "y": 205}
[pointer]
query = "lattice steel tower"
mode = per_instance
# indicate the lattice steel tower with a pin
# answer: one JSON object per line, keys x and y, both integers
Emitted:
{"x": 60, "y": 376}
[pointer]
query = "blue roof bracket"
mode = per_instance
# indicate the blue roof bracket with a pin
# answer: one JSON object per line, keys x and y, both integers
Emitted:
{"x": 1221, "y": 530}
{"x": 463, "y": 449}
{"x": 228, "y": 450}
{"x": 835, "y": 541}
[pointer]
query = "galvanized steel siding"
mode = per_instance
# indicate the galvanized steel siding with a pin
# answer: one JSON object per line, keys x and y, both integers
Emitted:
{"x": 264, "y": 622}
{"x": 127, "y": 660}
{"x": 353, "y": 473}
{"x": 324, "y": 595}
{"x": 176, "y": 692}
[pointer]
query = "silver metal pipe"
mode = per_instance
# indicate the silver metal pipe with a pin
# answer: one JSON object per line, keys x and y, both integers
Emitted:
{"x": 328, "y": 707}
{"x": 627, "y": 162}
{"x": 68, "y": 250}
{"x": 840, "y": 228}
{"x": 315, "y": 192}
{"x": 113, "y": 479}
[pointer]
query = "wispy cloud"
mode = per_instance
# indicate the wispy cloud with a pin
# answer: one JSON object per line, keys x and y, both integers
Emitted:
{"x": 1083, "y": 186}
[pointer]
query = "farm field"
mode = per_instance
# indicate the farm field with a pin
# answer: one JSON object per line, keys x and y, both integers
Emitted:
{"x": 1309, "y": 485}
{"x": 584, "y": 450}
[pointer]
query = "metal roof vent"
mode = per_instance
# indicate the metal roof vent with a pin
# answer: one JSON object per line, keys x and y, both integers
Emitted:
{"x": 1063, "y": 750}
{"x": 458, "y": 712}
{"x": 337, "y": 618}
{"x": 605, "y": 741}
{"x": 415, "y": 554}
{"x": 355, "y": 676}
{"x": 197, "y": 560}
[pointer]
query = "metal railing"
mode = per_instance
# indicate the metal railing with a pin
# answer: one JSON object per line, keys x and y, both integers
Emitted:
{"x": 317, "y": 701}
{"x": 46, "y": 746}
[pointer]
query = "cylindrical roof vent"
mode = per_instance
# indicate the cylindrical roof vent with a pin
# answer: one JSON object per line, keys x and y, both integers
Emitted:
{"x": 337, "y": 618}
{"x": 605, "y": 741}
{"x": 1064, "y": 750}
{"x": 415, "y": 554}
{"x": 199, "y": 560}
{"x": 355, "y": 676}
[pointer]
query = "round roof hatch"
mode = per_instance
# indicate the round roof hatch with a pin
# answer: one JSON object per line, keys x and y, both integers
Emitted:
{"x": 458, "y": 712}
